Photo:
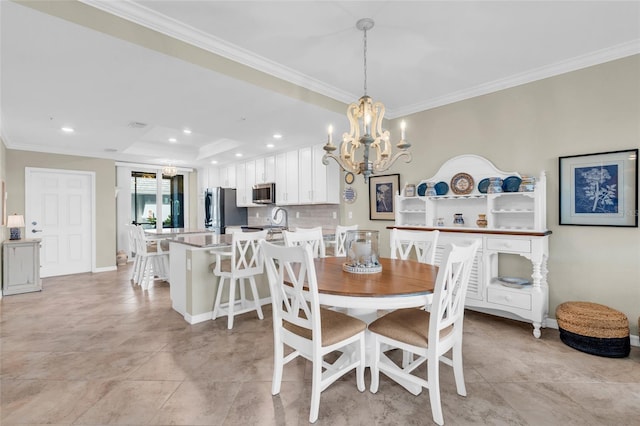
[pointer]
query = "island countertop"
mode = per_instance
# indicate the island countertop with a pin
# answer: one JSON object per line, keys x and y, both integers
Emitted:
{"x": 203, "y": 240}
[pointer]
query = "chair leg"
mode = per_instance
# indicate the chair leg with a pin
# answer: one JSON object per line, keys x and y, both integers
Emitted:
{"x": 316, "y": 388}
{"x": 360, "y": 368}
{"x": 375, "y": 371}
{"x": 232, "y": 302}
{"x": 278, "y": 365}
{"x": 458, "y": 371}
{"x": 433, "y": 376}
{"x": 256, "y": 300}
{"x": 216, "y": 305}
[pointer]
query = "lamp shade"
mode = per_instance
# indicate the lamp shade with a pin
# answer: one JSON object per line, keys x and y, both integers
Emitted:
{"x": 15, "y": 221}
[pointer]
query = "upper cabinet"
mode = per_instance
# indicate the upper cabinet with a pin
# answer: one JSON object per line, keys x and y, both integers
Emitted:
{"x": 319, "y": 184}
{"x": 516, "y": 208}
{"x": 286, "y": 178}
{"x": 245, "y": 179}
{"x": 265, "y": 169}
{"x": 227, "y": 176}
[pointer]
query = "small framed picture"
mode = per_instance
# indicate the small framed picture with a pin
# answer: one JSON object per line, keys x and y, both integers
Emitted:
{"x": 382, "y": 196}
{"x": 599, "y": 189}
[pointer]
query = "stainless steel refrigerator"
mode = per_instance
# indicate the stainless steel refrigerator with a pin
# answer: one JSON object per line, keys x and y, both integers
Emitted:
{"x": 221, "y": 210}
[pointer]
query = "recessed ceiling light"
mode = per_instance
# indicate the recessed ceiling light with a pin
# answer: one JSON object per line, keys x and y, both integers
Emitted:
{"x": 214, "y": 162}
{"x": 277, "y": 136}
{"x": 187, "y": 131}
{"x": 173, "y": 140}
{"x": 67, "y": 129}
{"x": 238, "y": 154}
{"x": 270, "y": 145}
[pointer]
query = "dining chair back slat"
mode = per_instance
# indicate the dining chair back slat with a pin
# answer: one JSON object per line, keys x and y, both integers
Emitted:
{"x": 310, "y": 236}
{"x": 404, "y": 241}
{"x": 340, "y": 249}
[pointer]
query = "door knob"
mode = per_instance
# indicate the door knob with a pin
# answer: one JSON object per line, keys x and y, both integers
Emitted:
{"x": 33, "y": 231}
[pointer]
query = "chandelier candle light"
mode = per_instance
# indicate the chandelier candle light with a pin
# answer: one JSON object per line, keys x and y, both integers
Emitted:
{"x": 365, "y": 118}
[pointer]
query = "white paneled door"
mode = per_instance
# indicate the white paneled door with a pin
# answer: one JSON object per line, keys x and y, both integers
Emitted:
{"x": 60, "y": 210}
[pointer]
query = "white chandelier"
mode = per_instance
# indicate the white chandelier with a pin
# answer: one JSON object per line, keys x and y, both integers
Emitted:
{"x": 365, "y": 119}
{"x": 169, "y": 171}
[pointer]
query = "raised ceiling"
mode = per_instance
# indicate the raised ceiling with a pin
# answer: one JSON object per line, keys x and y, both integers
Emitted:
{"x": 237, "y": 72}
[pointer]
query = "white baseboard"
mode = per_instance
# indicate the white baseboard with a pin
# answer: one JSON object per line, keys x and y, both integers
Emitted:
{"x": 105, "y": 269}
{"x": 195, "y": 319}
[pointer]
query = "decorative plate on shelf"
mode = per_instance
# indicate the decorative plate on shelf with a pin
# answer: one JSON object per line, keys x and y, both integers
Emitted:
{"x": 513, "y": 282}
{"x": 483, "y": 186}
{"x": 511, "y": 184}
{"x": 462, "y": 184}
{"x": 441, "y": 188}
{"x": 422, "y": 189}
{"x": 349, "y": 195}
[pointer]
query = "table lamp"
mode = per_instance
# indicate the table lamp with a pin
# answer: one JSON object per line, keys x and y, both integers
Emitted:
{"x": 14, "y": 223}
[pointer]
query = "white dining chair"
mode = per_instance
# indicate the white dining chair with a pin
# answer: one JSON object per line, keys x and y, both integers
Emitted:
{"x": 338, "y": 243}
{"x": 311, "y": 236}
{"x": 404, "y": 241}
{"x": 153, "y": 263}
{"x": 301, "y": 324}
{"x": 428, "y": 335}
{"x": 242, "y": 262}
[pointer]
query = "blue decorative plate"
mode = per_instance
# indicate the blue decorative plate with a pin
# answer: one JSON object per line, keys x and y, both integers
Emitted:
{"x": 511, "y": 184}
{"x": 422, "y": 189}
{"x": 483, "y": 185}
{"x": 441, "y": 188}
{"x": 513, "y": 282}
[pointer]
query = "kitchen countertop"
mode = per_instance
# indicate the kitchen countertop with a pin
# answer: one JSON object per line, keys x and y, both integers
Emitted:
{"x": 221, "y": 240}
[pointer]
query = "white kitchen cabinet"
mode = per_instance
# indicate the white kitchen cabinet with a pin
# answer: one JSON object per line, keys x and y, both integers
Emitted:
{"x": 319, "y": 184}
{"x": 21, "y": 266}
{"x": 265, "y": 169}
{"x": 286, "y": 178}
{"x": 227, "y": 176}
{"x": 245, "y": 179}
{"x": 516, "y": 227}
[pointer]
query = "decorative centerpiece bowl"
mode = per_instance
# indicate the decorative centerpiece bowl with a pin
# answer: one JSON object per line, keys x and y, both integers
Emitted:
{"x": 362, "y": 252}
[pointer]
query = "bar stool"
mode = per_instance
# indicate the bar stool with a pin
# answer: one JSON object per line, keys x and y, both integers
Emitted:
{"x": 245, "y": 262}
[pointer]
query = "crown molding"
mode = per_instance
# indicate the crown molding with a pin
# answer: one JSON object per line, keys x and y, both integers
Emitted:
{"x": 579, "y": 62}
{"x": 163, "y": 24}
{"x": 173, "y": 28}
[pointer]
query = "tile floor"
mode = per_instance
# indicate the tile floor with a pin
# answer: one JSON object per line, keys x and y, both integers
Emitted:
{"x": 92, "y": 349}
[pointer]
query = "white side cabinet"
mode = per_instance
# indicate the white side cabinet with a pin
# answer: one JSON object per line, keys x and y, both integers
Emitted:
{"x": 21, "y": 266}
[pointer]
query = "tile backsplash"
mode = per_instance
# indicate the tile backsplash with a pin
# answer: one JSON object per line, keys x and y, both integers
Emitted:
{"x": 325, "y": 215}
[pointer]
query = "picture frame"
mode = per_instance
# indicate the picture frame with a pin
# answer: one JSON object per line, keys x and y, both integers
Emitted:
{"x": 599, "y": 189}
{"x": 382, "y": 196}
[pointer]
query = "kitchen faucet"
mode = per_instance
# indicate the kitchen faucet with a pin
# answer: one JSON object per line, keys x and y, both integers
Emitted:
{"x": 286, "y": 216}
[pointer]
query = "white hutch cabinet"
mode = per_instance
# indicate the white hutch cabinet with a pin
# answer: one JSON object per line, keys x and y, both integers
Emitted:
{"x": 516, "y": 226}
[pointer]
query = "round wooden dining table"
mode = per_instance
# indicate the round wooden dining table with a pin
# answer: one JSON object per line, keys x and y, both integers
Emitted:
{"x": 401, "y": 284}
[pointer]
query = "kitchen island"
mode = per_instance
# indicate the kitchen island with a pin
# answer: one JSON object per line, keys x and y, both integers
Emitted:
{"x": 193, "y": 285}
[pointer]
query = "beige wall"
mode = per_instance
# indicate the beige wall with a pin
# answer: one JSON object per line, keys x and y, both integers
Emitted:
{"x": 16, "y": 161}
{"x": 526, "y": 129}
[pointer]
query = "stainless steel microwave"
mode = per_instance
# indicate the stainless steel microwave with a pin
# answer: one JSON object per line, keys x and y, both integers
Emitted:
{"x": 264, "y": 193}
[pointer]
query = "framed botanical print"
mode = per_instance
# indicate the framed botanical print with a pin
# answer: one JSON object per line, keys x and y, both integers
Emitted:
{"x": 382, "y": 196}
{"x": 599, "y": 189}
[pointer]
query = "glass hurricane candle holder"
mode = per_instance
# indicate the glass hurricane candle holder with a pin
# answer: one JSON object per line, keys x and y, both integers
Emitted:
{"x": 362, "y": 252}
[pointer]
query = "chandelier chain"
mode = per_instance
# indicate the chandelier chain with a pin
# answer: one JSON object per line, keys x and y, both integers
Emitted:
{"x": 365, "y": 62}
